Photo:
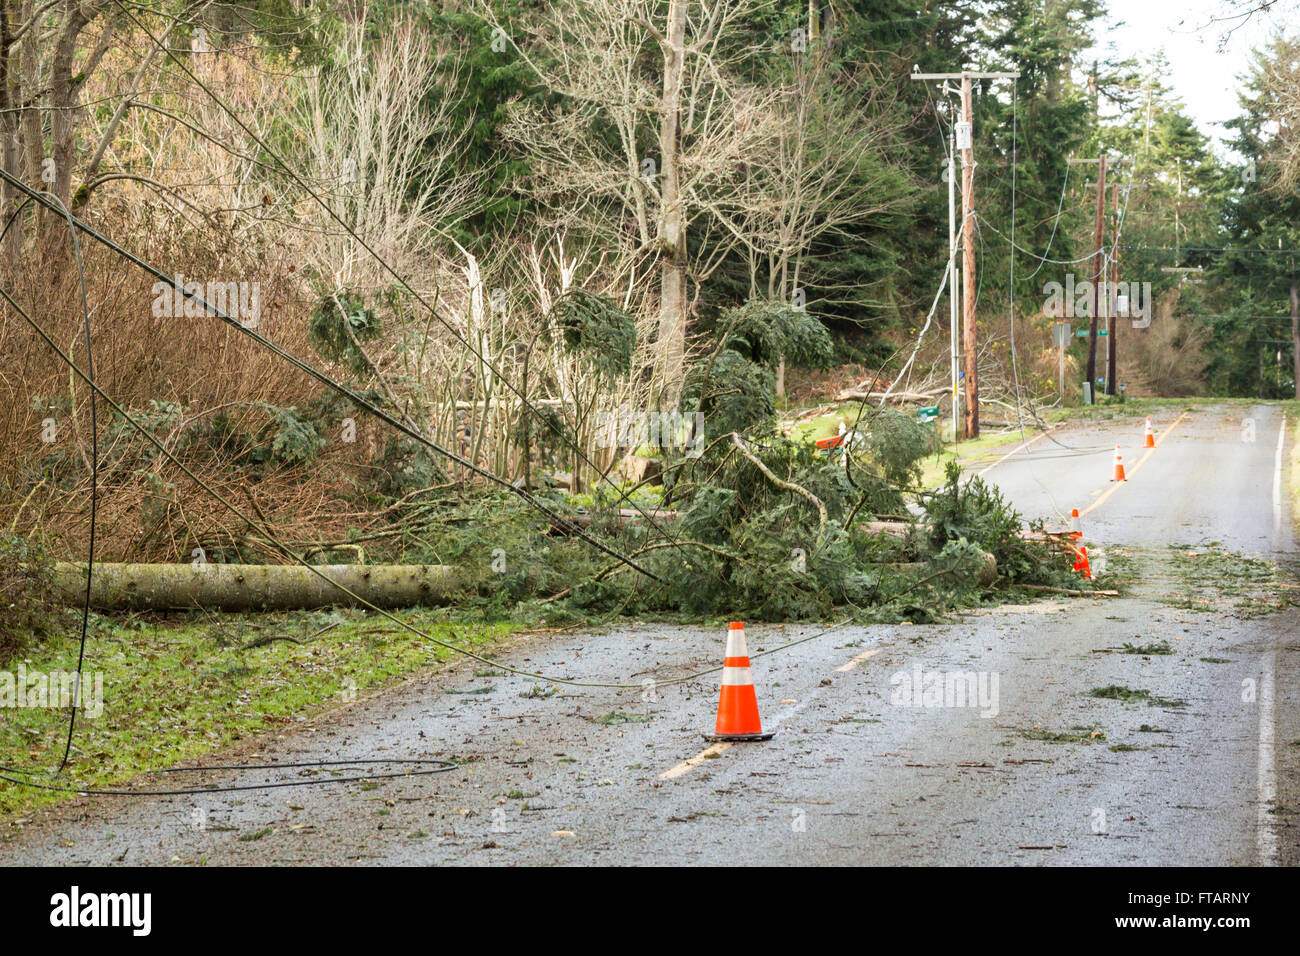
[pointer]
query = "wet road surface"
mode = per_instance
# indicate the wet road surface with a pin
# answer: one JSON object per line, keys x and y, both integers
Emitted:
{"x": 1033, "y": 771}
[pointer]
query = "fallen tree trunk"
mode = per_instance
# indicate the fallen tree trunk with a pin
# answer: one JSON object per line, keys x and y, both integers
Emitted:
{"x": 251, "y": 587}
{"x": 986, "y": 576}
{"x": 857, "y": 395}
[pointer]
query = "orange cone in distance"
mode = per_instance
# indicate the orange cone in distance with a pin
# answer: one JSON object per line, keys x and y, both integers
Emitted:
{"x": 1075, "y": 532}
{"x": 738, "y": 704}
{"x": 1150, "y": 440}
{"x": 1119, "y": 466}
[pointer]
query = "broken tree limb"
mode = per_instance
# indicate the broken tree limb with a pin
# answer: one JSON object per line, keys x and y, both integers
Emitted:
{"x": 1072, "y": 592}
{"x": 787, "y": 485}
{"x": 249, "y": 587}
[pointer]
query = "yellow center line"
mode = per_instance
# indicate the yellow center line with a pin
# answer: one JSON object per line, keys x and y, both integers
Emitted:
{"x": 695, "y": 761}
{"x": 1140, "y": 462}
{"x": 858, "y": 660}
{"x": 715, "y": 749}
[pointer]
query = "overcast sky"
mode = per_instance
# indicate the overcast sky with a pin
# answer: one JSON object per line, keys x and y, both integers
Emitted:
{"x": 1204, "y": 77}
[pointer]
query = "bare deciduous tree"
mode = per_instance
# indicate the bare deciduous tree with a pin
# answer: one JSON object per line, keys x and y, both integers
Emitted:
{"x": 650, "y": 110}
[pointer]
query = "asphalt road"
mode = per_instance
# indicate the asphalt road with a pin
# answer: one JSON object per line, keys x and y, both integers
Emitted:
{"x": 1037, "y": 773}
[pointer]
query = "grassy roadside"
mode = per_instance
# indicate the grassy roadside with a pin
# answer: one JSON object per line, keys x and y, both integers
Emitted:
{"x": 986, "y": 448}
{"x": 176, "y": 689}
{"x": 975, "y": 454}
{"x": 1293, "y": 461}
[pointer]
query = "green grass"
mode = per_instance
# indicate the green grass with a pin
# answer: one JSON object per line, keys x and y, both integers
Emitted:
{"x": 1076, "y": 735}
{"x": 1148, "y": 649}
{"x": 618, "y": 717}
{"x": 1129, "y": 695}
{"x": 177, "y": 688}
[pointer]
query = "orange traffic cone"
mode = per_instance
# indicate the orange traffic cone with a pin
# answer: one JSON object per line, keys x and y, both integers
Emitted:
{"x": 1081, "y": 563}
{"x": 1119, "y": 466}
{"x": 738, "y": 704}
{"x": 1150, "y": 440}
{"x": 1075, "y": 532}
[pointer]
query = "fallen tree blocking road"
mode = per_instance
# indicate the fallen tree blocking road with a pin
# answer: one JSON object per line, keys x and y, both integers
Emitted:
{"x": 251, "y": 587}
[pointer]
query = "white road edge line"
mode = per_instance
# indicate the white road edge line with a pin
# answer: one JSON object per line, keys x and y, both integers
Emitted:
{"x": 1266, "y": 835}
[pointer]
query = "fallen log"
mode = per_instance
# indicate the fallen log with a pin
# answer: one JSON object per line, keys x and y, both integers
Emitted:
{"x": 1072, "y": 592}
{"x": 987, "y": 574}
{"x": 251, "y": 587}
{"x": 924, "y": 398}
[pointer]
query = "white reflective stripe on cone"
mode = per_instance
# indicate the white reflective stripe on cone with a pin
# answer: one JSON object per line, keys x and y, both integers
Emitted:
{"x": 736, "y": 677}
{"x": 736, "y": 644}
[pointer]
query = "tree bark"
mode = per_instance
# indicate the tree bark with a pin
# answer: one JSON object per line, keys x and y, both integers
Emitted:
{"x": 248, "y": 587}
{"x": 672, "y": 220}
{"x": 968, "y": 288}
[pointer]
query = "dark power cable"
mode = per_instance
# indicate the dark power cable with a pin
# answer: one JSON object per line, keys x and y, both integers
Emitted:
{"x": 94, "y": 467}
{"x": 326, "y": 380}
{"x": 529, "y": 407}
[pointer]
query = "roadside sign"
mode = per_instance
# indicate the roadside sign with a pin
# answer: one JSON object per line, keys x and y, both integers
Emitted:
{"x": 1061, "y": 334}
{"x": 927, "y": 414}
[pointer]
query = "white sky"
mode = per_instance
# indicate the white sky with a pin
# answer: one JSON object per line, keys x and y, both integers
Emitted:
{"x": 1204, "y": 77}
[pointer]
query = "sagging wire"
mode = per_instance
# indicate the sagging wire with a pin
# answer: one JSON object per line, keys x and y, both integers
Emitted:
{"x": 405, "y": 625}
{"x": 94, "y": 469}
{"x": 430, "y": 765}
{"x": 326, "y": 380}
{"x": 1056, "y": 221}
{"x": 943, "y": 284}
{"x": 463, "y": 340}
{"x": 981, "y": 220}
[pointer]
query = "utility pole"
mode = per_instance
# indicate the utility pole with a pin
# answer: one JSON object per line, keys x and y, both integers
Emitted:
{"x": 1098, "y": 237}
{"x": 964, "y": 135}
{"x": 954, "y": 339}
{"x": 969, "y": 346}
{"x": 1112, "y": 365}
{"x": 1098, "y": 275}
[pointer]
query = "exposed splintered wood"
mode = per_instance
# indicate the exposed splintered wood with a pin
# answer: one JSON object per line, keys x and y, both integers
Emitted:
{"x": 249, "y": 587}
